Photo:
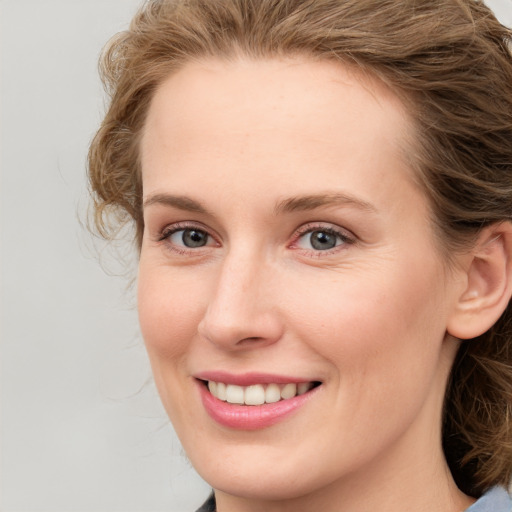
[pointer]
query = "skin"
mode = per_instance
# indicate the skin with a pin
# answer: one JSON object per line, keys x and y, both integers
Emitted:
{"x": 368, "y": 318}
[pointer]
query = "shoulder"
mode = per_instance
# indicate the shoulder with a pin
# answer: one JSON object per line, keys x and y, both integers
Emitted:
{"x": 208, "y": 505}
{"x": 496, "y": 499}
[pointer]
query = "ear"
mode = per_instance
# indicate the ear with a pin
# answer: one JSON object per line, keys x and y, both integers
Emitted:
{"x": 487, "y": 281}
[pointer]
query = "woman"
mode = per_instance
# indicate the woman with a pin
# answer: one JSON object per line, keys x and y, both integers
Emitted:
{"x": 322, "y": 199}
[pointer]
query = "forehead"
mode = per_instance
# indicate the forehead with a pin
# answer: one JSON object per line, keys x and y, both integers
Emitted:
{"x": 216, "y": 119}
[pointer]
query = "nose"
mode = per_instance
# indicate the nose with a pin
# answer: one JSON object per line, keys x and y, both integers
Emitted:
{"x": 242, "y": 312}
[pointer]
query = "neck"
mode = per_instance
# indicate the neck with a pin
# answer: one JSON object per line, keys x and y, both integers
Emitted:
{"x": 422, "y": 486}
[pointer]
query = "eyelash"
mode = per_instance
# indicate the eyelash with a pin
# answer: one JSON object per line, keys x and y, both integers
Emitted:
{"x": 168, "y": 231}
{"x": 342, "y": 237}
{"x": 345, "y": 238}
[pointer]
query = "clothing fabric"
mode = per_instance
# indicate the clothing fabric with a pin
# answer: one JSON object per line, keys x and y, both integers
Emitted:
{"x": 208, "y": 505}
{"x": 496, "y": 499}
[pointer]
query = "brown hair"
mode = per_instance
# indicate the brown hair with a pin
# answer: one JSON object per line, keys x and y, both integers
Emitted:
{"x": 449, "y": 60}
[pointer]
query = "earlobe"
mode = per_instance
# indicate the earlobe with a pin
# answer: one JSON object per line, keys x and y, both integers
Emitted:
{"x": 488, "y": 288}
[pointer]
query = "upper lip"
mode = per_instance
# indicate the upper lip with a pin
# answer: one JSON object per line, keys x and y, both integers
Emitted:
{"x": 249, "y": 379}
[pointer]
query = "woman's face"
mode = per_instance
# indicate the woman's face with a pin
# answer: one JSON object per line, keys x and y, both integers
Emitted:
{"x": 286, "y": 243}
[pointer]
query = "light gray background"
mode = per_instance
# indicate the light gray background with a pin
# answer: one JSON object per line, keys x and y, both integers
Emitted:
{"x": 80, "y": 429}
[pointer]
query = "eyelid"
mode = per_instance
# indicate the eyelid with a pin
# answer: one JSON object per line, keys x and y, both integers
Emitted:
{"x": 346, "y": 236}
{"x": 180, "y": 226}
{"x": 170, "y": 229}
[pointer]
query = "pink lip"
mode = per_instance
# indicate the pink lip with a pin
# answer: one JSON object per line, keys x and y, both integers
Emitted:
{"x": 248, "y": 379}
{"x": 250, "y": 417}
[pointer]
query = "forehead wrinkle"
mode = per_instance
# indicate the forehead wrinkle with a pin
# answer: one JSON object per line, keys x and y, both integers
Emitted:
{"x": 311, "y": 202}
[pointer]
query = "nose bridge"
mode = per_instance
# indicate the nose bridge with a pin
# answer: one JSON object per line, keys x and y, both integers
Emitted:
{"x": 240, "y": 307}
{"x": 237, "y": 278}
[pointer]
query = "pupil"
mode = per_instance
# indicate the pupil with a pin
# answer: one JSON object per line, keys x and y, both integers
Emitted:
{"x": 322, "y": 241}
{"x": 194, "y": 238}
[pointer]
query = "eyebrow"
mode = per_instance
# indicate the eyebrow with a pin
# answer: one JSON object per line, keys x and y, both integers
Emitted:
{"x": 180, "y": 202}
{"x": 311, "y": 202}
{"x": 288, "y": 205}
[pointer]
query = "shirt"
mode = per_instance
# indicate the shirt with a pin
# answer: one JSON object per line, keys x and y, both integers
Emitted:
{"x": 495, "y": 499}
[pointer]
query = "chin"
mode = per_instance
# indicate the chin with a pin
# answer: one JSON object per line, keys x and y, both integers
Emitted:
{"x": 264, "y": 472}
{"x": 274, "y": 484}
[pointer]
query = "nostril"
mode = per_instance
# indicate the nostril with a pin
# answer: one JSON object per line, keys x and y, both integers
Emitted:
{"x": 253, "y": 342}
{"x": 251, "y": 339}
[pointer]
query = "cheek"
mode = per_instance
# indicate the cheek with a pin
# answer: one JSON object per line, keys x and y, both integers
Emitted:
{"x": 169, "y": 311}
{"x": 383, "y": 341}
{"x": 381, "y": 325}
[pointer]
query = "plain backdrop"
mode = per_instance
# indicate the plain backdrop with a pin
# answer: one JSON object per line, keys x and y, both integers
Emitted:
{"x": 82, "y": 428}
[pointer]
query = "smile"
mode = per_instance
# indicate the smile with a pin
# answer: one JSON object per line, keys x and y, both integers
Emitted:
{"x": 257, "y": 394}
{"x": 252, "y": 405}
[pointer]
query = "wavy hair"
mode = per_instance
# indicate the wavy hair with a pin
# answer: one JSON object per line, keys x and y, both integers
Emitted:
{"x": 448, "y": 60}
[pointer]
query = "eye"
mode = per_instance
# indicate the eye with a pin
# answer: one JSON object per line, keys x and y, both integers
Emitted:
{"x": 191, "y": 238}
{"x": 185, "y": 237}
{"x": 321, "y": 239}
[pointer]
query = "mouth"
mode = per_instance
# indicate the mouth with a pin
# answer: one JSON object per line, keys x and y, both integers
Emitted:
{"x": 253, "y": 401}
{"x": 258, "y": 394}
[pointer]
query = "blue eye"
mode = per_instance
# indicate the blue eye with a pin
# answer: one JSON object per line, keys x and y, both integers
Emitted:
{"x": 321, "y": 239}
{"x": 191, "y": 238}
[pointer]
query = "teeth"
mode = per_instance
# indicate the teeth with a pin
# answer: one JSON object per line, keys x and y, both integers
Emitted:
{"x": 272, "y": 394}
{"x": 257, "y": 394}
{"x": 254, "y": 395}
{"x": 289, "y": 391}
{"x": 234, "y": 394}
{"x": 221, "y": 391}
{"x": 303, "y": 387}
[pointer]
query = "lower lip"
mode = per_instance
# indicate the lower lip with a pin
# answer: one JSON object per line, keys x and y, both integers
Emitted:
{"x": 251, "y": 417}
